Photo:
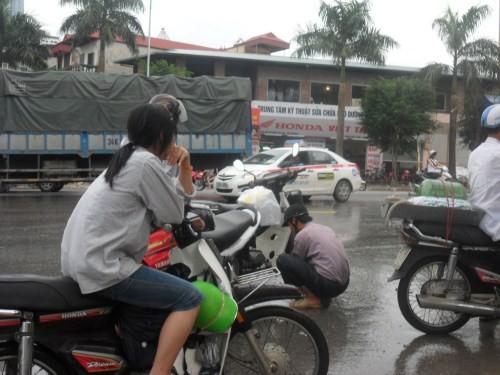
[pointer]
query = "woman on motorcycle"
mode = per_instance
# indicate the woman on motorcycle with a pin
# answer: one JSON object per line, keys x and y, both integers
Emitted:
{"x": 107, "y": 234}
{"x": 434, "y": 168}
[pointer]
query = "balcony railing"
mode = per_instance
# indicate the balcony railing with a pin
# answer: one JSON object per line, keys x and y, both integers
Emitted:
{"x": 81, "y": 68}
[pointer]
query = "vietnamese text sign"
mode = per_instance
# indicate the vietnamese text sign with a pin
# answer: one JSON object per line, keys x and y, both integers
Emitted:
{"x": 318, "y": 120}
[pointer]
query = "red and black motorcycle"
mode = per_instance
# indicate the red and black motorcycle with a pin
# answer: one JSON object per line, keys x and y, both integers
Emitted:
{"x": 47, "y": 326}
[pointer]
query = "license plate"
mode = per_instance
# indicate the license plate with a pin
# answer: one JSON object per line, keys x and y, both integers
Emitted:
{"x": 400, "y": 258}
{"x": 222, "y": 185}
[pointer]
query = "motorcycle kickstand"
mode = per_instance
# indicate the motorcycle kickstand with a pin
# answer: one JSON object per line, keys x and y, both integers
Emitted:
{"x": 266, "y": 366}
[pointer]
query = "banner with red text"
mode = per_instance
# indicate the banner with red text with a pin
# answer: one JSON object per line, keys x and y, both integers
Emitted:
{"x": 314, "y": 120}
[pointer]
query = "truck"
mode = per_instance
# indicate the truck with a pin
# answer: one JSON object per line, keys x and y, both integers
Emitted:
{"x": 60, "y": 127}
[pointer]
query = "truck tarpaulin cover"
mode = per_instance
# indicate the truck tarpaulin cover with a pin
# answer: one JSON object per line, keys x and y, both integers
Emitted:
{"x": 77, "y": 101}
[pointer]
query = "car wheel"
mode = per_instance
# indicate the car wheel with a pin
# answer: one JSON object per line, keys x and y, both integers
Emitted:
{"x": 342, "y": 191}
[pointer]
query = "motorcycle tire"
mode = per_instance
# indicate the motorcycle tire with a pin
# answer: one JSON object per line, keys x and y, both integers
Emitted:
{"x": 42, "y": 363}
{"x": 421, "y": 279}
{"x": 199, "y": 184}
{"x": 289, "y": 339}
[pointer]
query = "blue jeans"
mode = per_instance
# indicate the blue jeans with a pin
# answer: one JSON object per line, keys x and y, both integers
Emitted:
{"x": 148, "y": 287}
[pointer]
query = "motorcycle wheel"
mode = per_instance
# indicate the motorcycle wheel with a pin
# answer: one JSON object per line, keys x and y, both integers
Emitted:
{"x": 199, "y": 184}
{"x": 428, "y": 277}
{"x": 289, "y": 339}
{"x": 42, "y": 362}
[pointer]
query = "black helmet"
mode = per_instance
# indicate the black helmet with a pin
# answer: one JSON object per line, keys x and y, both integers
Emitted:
{"x": 295, "y": 210}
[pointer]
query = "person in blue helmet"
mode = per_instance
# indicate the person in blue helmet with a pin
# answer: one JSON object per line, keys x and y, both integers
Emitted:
{"x": 484, "y": 174}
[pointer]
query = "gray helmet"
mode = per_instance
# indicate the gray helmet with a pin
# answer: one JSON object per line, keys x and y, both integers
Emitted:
{"x": 432, "y": 153}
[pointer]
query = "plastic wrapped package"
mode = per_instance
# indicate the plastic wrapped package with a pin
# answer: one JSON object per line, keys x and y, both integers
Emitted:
{"x": 264, "y": 201}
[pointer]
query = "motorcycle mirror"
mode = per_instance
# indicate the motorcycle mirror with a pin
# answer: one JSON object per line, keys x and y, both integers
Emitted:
{"x": 295, "y": 149}
{"x": 238, "y": 164}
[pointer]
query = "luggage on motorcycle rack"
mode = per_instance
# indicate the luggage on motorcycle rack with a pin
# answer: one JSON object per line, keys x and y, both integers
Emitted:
{"x": 442, "y": 189}
{"x": 431, "y": 209}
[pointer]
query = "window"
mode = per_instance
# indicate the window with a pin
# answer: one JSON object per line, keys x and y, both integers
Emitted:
{"x": 267, "y": 157}
{"x": 283, "y": 91}
{"x": 324, "y": 93}
{"x": 357, "y": 94}
{"x": 440, "y": 101}
{"x": 318, "y": 157}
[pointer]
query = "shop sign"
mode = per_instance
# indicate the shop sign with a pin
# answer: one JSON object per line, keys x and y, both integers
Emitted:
{"x": 314, "y": 120}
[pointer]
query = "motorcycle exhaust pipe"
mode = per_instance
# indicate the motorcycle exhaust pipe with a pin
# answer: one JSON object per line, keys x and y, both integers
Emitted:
{"x": 429, "y": 302}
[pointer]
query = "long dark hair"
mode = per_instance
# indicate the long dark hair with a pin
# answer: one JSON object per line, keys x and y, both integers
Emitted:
{"x": 147, "y": 125}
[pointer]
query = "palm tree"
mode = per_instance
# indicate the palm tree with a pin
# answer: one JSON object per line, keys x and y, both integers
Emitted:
{"x": 20, "y": 39}
{"x": 346, "y": 34}
{"x": 471, "y": 59}
{"x": 109, "y": 18}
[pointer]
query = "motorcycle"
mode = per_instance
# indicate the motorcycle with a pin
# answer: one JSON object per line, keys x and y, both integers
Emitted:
{"x": 47, "y": 326}
{"x": 448, "y": 269}
{"x": 204, "y": 179}
{"x": 417, "y": 180}
{"x": 270, "y": 240}
{"x": 257, "y": 248}
{"x": 197, "y": 176}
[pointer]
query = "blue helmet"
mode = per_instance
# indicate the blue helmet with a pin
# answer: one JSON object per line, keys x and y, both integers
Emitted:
{"x": 490, "y": 118}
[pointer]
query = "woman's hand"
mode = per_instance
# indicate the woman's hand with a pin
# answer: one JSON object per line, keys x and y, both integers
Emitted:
{"x": 178, "y": 155}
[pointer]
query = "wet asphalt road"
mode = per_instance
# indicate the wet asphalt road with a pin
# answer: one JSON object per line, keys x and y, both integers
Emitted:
{"x": 366, "y": 333}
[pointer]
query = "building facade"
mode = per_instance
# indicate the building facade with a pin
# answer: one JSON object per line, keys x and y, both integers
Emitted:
{"x": 16, "y": 6}
{"x": 294, "y": 98}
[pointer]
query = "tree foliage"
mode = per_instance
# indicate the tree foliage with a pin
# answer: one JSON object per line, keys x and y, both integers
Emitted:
{"x": 346, "y": 34}
{"x": 162, "y": 68}
{"x": 109, "y": 18}
{"x": 395, "y": 112}
{"x": 21, "y": 36}
{"x": 471, "y": 59}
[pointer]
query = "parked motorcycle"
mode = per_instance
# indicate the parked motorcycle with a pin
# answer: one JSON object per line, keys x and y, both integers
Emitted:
{"x": 48, "y": 327}
{"x": 258, "y": 247}
{"x": 205, "y": 180}
{"x": 448, "y": 269}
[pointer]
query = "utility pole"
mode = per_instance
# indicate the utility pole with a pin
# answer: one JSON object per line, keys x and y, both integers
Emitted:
{"x": 149, "y": 40}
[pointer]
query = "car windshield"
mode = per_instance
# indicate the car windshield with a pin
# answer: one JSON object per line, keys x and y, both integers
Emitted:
{"x": 266, "y": 158}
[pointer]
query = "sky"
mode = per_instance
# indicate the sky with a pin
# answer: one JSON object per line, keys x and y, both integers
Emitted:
{"x": 220, "y": 23}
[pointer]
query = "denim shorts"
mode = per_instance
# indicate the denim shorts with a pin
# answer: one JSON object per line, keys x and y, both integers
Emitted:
{"x": 148, "y": 287}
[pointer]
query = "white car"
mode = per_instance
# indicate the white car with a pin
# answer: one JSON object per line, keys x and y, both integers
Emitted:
{"x": 326, "y": 173}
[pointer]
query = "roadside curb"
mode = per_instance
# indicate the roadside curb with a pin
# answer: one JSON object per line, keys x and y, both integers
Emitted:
{"x": 388, "y": 188}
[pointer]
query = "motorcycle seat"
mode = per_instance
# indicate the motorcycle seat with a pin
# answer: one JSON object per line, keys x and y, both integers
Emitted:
{"x": 469, "y": 235}
{"x": 44, "y": 294}
{"x": 229, "y": 227}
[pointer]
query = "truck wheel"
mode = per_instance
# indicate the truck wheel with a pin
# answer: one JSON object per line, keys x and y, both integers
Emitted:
{"x": 58, "y": 187}
{"x": 48, "y": 187}
{"x": 4, "y": 188}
